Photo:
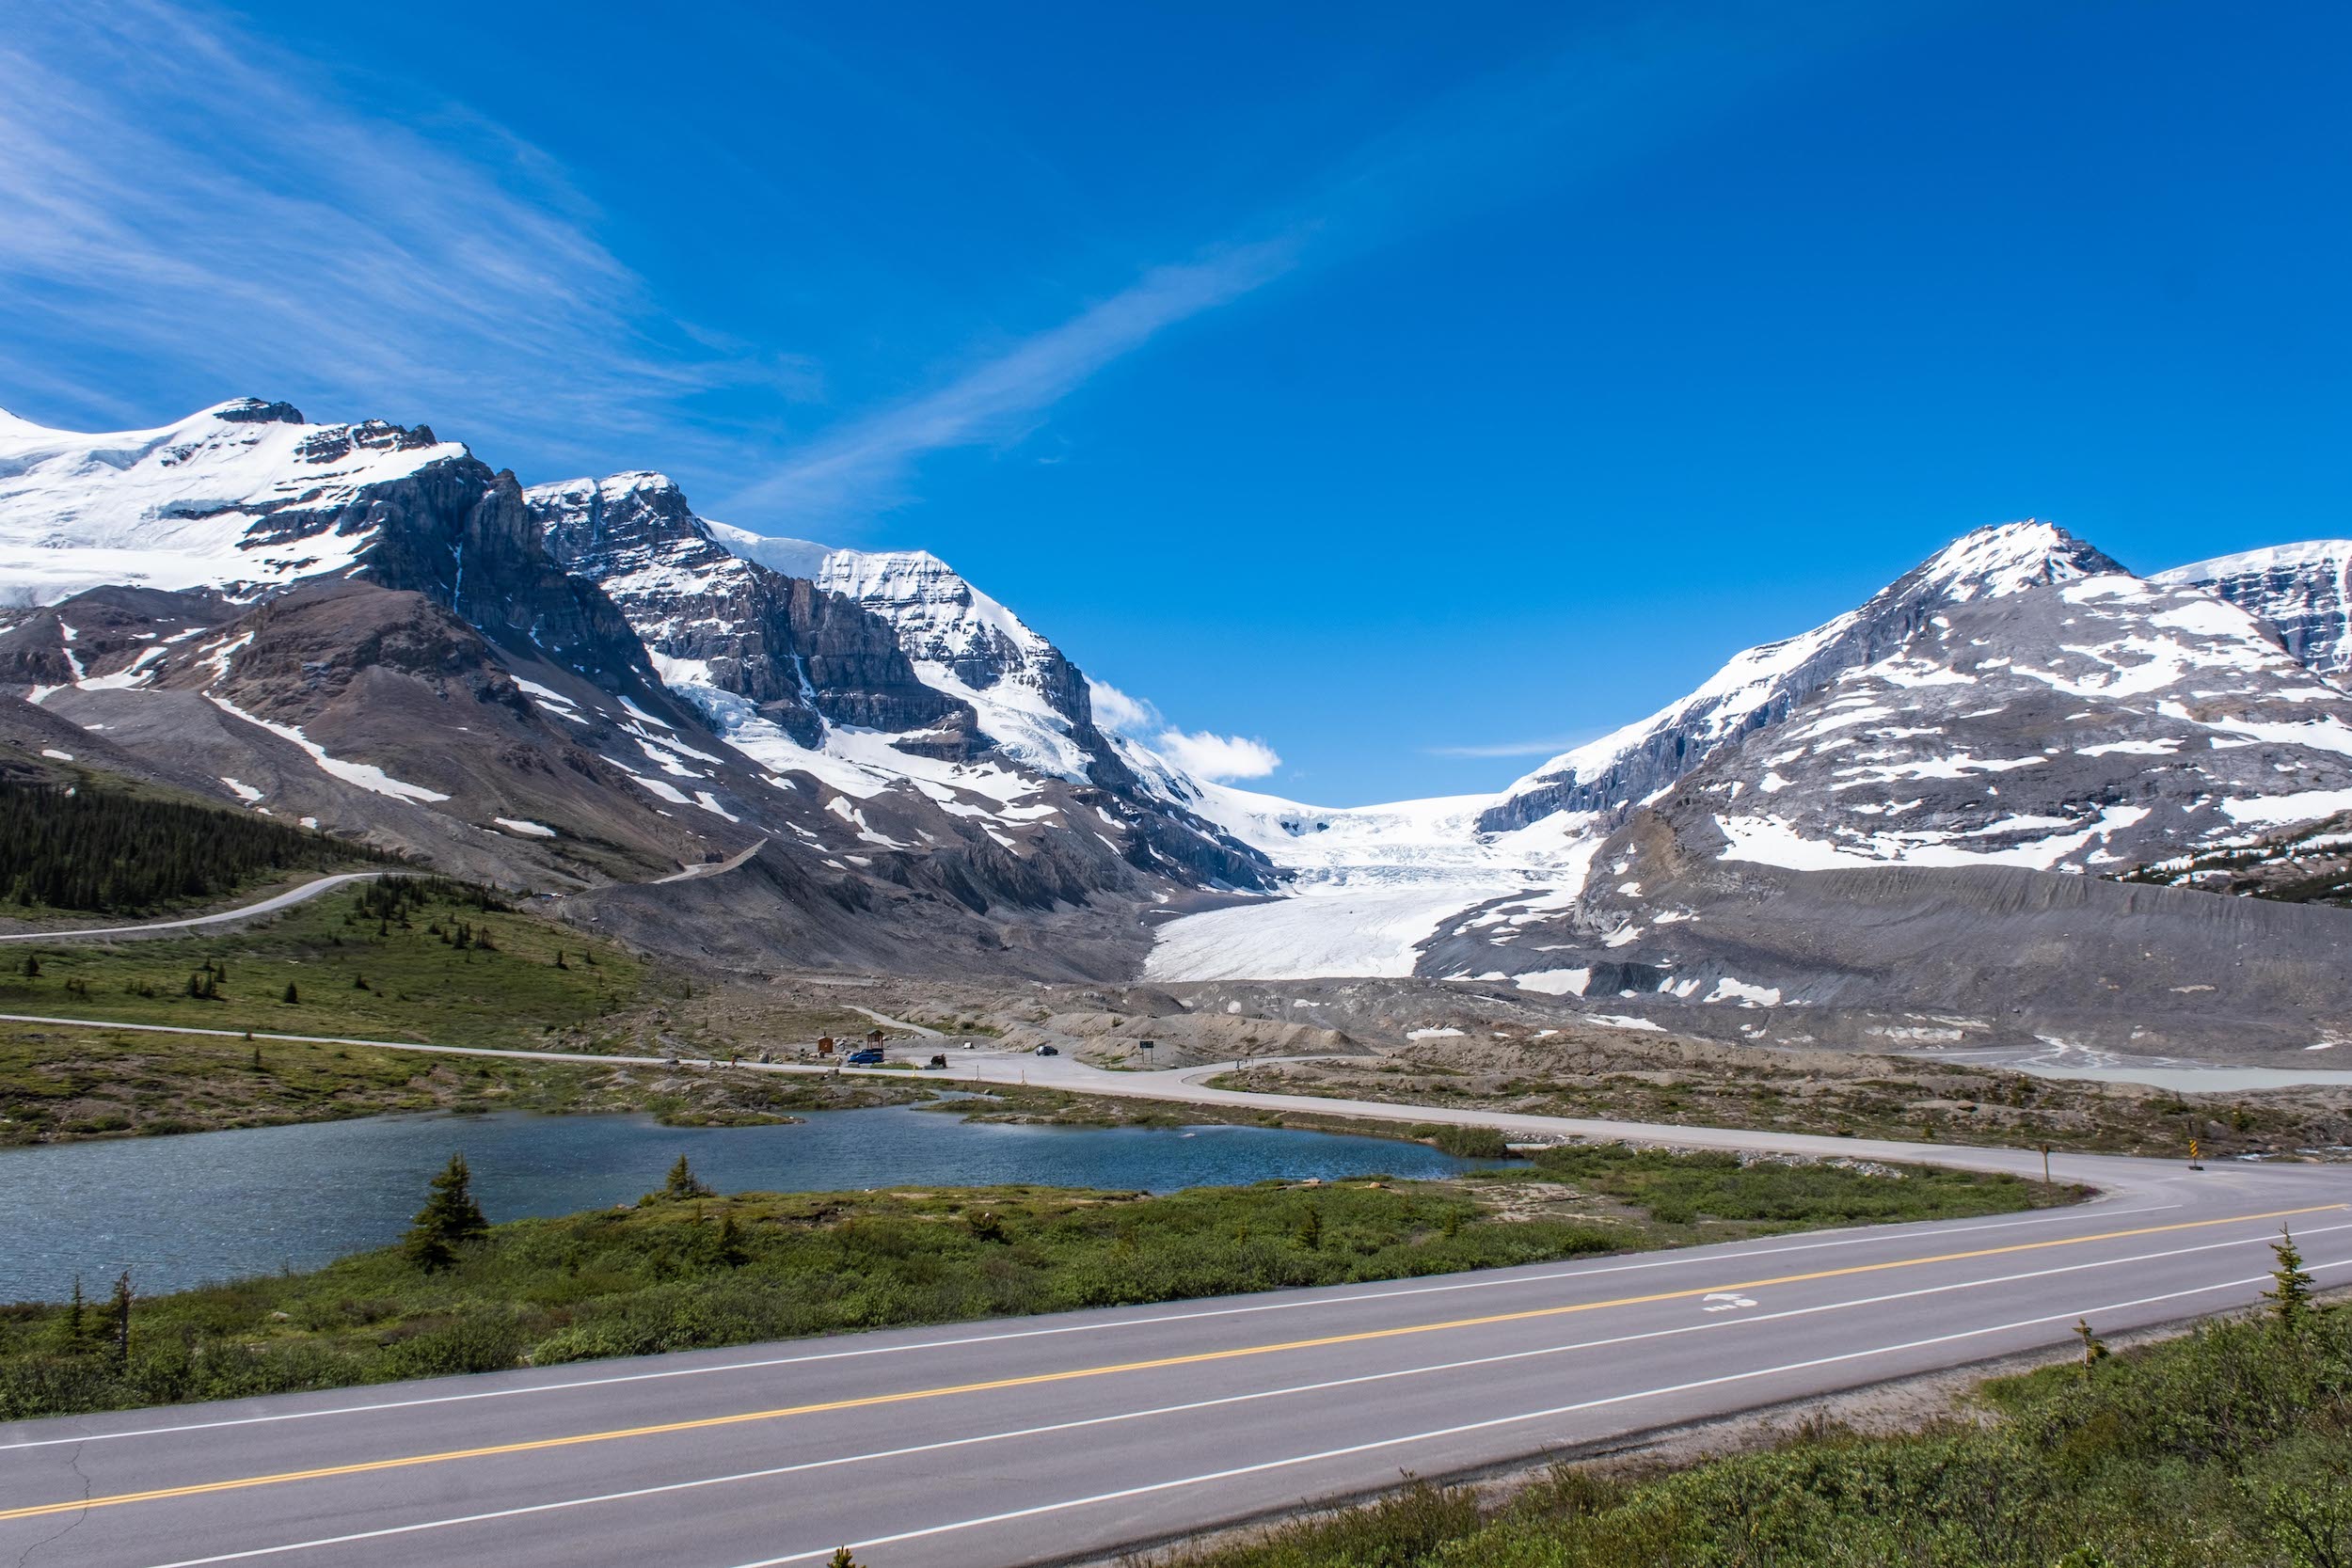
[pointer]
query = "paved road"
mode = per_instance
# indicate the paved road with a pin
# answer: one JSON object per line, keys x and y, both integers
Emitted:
{"x": 1035, "y": 1439}
{"x": 271, "y": 905}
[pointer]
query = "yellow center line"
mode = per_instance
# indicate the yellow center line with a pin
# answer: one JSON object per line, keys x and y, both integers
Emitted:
{"x": 1071, "y": 1374}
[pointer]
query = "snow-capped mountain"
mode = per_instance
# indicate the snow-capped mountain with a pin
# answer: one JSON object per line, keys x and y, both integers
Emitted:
{"x": 2304, "y": 591}
{"x": 722, "y": 627}
{"x": 873, "y": 672}
{"x": 1757, "y": 688}
{"x": 242, "y": 496}
{"x": 369, "y": 629}
{"x": 1030, "y": 700}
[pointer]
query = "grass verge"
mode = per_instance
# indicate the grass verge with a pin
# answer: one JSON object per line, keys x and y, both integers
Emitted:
{"x": 2230, "y": 1447}
{"x": 680, "y": 1273}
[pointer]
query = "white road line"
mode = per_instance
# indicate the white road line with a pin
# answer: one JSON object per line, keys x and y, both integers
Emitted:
{"x": 1354, "y": 1449}
{"x": 841, "y": 1460}
{"x": 1681, "y": 1258}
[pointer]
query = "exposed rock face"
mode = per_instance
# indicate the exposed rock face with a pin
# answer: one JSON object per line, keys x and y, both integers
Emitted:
{"x": 1759, "y": 688}
{"x": 2303, "y": 591}
{"x": 802, "y": 657}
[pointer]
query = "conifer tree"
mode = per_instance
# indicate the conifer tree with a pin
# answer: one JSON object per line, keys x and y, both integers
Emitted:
{"x": 292, "y": 994}
{"x": 74, "y": 1328}
{"x": 1310, "y": 1231}
{"x": 731, "y": 1251}
{"x": 449, "y": 1218}
{"x": 119, "y": 1314}
{"x": 683, "y": 1183}
{"x": 2290, "y": 1298}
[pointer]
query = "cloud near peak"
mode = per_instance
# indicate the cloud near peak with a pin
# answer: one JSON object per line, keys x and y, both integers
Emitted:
{"x": 1218, "y": 756}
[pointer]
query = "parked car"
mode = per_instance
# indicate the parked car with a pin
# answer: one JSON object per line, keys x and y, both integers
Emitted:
{"x": 869, "y": 1056}
{"x": 1047, "y": 1050}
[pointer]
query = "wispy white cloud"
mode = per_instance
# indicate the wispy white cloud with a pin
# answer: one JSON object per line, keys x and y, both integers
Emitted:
{"x": 1602, "y": 97}
{"x": 178, "y": 189}
{"x": 1218, "y": 756}
{"x": 1550, "y": 747}
{"x": 863, "y": 463}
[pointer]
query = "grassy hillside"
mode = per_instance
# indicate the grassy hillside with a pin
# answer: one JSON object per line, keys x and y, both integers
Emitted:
{"x": 697, "y": 1270}
{"x": 407, "y": 959}
{"x": 88, "y": 847}
{"x": 2228, "y": 1449}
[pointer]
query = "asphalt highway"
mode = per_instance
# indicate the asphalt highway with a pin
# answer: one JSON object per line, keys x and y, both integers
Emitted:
{"x": 1032, "y": 1440}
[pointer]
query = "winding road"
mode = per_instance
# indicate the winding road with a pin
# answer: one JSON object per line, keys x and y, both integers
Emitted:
{"x": 271, "y": 905}
{"x": 1072, "y": 1438}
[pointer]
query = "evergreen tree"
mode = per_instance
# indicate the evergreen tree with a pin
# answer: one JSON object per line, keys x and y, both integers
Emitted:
{"x": 1310, "y": 1231}
{"x": 841, "y": 1559}
{"x": 32, "y": 967}
{"x": 292, "y": 994}
{"x": 450, "y": 1218}
{"x": 74, "y": 1328}
{"x": 2290, "y": 1298}
{"x": 119, "y": 1315}
{"x": 683, "y": 1183}
{"x": 732, "y": 1253}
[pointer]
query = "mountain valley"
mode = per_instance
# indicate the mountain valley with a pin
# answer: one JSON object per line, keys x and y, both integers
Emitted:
{"x": 2021, "y": 801}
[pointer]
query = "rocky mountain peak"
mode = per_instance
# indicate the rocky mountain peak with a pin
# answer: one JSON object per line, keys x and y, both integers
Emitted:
{"x": 256, "y": 411}
{"x": 2003, "y": 559}
{"x": 1758, "y": 687}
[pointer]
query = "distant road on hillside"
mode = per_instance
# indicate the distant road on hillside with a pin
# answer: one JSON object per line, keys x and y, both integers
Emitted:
{"x": 271, "y": 905}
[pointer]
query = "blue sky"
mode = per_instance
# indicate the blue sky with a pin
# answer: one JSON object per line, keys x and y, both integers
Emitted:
{"x": 1414, "y": 390}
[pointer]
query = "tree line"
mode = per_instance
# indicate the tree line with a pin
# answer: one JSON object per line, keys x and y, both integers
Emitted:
{"x": 75, "y": 848}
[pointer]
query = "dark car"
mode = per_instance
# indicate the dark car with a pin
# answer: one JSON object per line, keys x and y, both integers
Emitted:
{"x": 870, "y": 1056}
{"x": 1047, "y": 1050}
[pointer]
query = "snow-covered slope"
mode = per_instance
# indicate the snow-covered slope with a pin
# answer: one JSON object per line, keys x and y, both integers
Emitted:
{"x": 2098, "y": 723}
{"x": 1029, "y": 698}
{"x": 1756, "y": 687}
{"x": 2304, "y": 591}
{"x": 872, "y": 670}
{"x": 242, "y": 496}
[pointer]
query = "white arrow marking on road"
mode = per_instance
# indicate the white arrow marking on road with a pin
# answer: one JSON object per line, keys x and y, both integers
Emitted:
{"x": 1725, "y": 1301}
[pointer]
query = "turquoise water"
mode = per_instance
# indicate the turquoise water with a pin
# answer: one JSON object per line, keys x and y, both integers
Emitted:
{"x": 204, "y": 1207}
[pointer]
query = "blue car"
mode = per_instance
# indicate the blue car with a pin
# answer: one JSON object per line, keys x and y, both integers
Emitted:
{"x": 867, "y": 1057}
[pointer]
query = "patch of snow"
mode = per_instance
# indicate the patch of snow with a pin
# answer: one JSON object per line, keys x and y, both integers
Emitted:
{"x": 525, "y": 826}
{"x": 365, "y": 774}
